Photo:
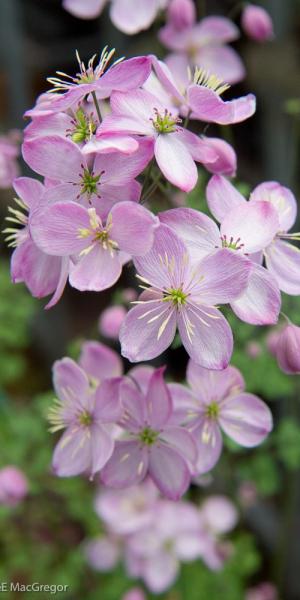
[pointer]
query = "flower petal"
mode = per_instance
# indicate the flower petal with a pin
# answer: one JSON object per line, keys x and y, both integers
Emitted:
{"x": 175, "y": 161}
{"x": 127, "y": 75}
{"x": 29, "y": 190}
{"x": 111, "y": 144}
{"x": 55, "y": 228}
{"x": 102, "y": 447}
{"x": 133, "y": 228}
{"x": 283, "y": 262}
{"x": 96, "y": 271}
{"x": 37, "y": 270}
{"x": 73, "y": 453}
{"x": 209, "y": 386}
{"x": 169, "y": 471}
{"x": 260, "y": 303}
{"x": 222, "y": 61}
{"x": 209, "y": 441}
{"x": 70, "y": 381}
{"x": 120, "y": 169}
{"x": 281, "y": 198}
{"x": 90, "y": 9}
{"x": 252, "y": 225}
{"x": 222, "y": 197}
{"x": 127, "y": 466}
{"x": 246, "y": 419}
{"x": 99, "y": 361}
{"x": 182, "y": 441}
{"x": 55, "y": 157}
{"x": 107, "y": 407}
{"x": 158, "y": 401}
{"x": 132, "y": 16}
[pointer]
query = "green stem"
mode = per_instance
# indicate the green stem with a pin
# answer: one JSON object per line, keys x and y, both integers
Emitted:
{"x": 97, "y": 106}
{"x": 147, "y": 178}
{"x": 187, "y": 119}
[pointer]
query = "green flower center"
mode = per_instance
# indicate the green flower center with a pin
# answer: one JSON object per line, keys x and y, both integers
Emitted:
{"x": 212, "y": 410}
{"x": 165, "y": 123}
{"x": 85, "y": 418}
{"x": 89, "y": 182}
{"x": 177, "y": 296}
{"x": 231, "y": 243}
{"x": 84, "y": 127}
{"x": 148, "y": 436}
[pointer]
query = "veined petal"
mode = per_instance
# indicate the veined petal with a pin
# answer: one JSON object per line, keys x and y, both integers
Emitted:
{"x": 127, "y": 466}
{"x": 169, "y": 471}
{"x": 107, "y": 407}
{"x": 70, "y": 381}
{"x": 133, "y": 228}
{"x": 122, "y": 169}
{"x": 181, "y": 440}
{"x": 209, "y": 386}
{"x": 283, "y": 262}
{"x": 206, "y": 336}
{"x": 39, "y": 271}
{"x": 111, "y": 144}
{"x": 96, "y": 271}
{"x": 102, "y": 447}
{"x": 134, "y": 406}
{"x": 223, "y": 61}
{"x": 99, "y": 361}
{"x": 209, "y": 442}
{"x": 158, "y": 401}
{"x": 127, "y": 75}
{"x": 73, "y": 453}
{"x": 175, "y": 161}
{"x": 29, "y": 190}
{"x": 90, "y": 9}
{"x": 246, "y": 419}
{"x": 55, "y": 157}
{"x": 56, "y": 228}
{"x": 132, "y": 16}
{"x": 260, "y": 303}
{"x": 222, "y": 197}
{"x": 281, "y": 198}
{"x": 253, "y": 225}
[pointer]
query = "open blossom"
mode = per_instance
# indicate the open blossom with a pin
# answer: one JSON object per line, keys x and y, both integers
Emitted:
{"x": 176, "y": 535}
{"x": 87, "y": 413}
{"x": 130, "y": 16}
{"x": 282, "y": 258}
{"x": 123, "y": 75}
{"x": 9, "y": 152}
{"x": 199, "y": 92}
{"x": 217, "y": 402}
{"x": 205, "y": 44}
{"x": 13, "y": 485}
{"x": 96, "y": 248}
{"x": 175, "y": 148}
{"x": 41, "y": 273}
{"x": 98, "y": 180}
{"x": 129, "y": 510}
{"x": 257, "y": 23}
{"x": 183, "y": 295}
{"x": 245, "y": 231}
{"x": 287, "y": 348}
{"x": 152, "y": 445}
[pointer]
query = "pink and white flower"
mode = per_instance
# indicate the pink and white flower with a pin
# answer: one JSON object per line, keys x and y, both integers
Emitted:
{"x": 152, "y": 445}
{"x": 88, "y": 414}
{"x": 217, "y": 402}
{"x": 182, "y": 294}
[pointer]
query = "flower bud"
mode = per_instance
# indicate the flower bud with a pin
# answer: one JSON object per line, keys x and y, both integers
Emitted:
{"x": 226, "y": 162}
{"x": 181, "y": 13}
{"x": 13, "y": 486}
{"x": 111, "y": 320}
{"x": 288, "y": 349}
{"x": 257, "y": 23}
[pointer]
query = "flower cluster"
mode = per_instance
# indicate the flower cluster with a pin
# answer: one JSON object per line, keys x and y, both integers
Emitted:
{"x": 136, "y": 426}
{"x": 153, "y": 536}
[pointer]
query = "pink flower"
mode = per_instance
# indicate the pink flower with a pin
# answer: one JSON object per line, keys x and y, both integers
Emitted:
{"x": 88, "y": 413}
{"x": 181, "y": 13}
{"x": 184, "y": 295}
{"x": 96, "y": 247}
{"x": 257, "y": 23}
{"x": 110, "y": 321}
{"x": 41, "y": 273}
{"x": 287, "y": 348}
{"x": 176, "y": 149}
{"x": 282, "y": 259}
{"x": 134, "y": 594}
{"x": 205, "y": 45}
{"x": 152, "y": 446}
{"x": 176, "y": 535}
{"x": 129, "y": 510}
{"x": 99, "y": 180}
{"x": 103, "y": 553}
{"x": 121, "y": 76}
{"x": 217, "y": 402}
{"x": 199, "y": 95}
{"x": 9, "y": 152}
{"x": 13, "y": 485}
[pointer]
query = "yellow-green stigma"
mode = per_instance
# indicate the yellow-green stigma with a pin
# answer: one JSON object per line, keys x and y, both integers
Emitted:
{"x": 148, "y": 436}
{"x": 177, "y": 296}
{"x": 85, "y": 418}
{"x": 231, "y": 243}
{"x": 89, "y": 182}
{"x": 165, "y": 123}
{"x": 212, "y": 410}
{"x": 84, "y": 127}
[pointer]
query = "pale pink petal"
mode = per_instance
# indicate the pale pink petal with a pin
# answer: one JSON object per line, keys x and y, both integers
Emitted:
{"x": 222, "y": 61}
{"x": 55, "y": 229}
{"x": 158, "y": 401}
{"x": 167, "y": 250}
{"x": 96, "y": 271}
{"x": 186, "y": 404}
{"x": 73, "y": 454}
{"x": 221, "y": 29}
{"x": 165, "y": 76}
{"x": 207, "y": 105}
{"x": 54, "y": 156}
{"x": 199, "y": 233}
{"x": 133, "y": 228}
{"x": 127, "y": 75}
{"x": 63, "y": 278}
{"x": 29, "y": 190}
{"x": 283, "y": 262}
{"x": 142, "y": 375}
{"x": 206, "y": 336}
{"x": 178, "y": 65}
{"x": 209, "y": 441}
{"x": 102, "y": 446}
{"x": 260, "y": 303}
{"x": 175, "y": 161}
{"x": 111, "y": 144}
{"x": 89, "y": 9}
{"x": 213, "y": 385}
{"x": 121, "y": 169}
{"x": 53, "y": 124}
{"x": 246, "y": 419}
{"x": 182, "y": 441}
{"x": 282, "y": 199}
{"x": 138, "y": 105}
{"x": 99, "y": 361}
{"x": 222, "y": 197}
{"x": 220, "y": 514}
{"x": 69, "y": 378}
{"x": 160, "y": 571}
{"x": 252, "y": 226}
{"x": 169, "y": 471}
{"x": 223, "y": 276}
{"x": 107, "y": 408}
{"x": 198, "y": 148}
{"x": 132, "y": 16}
{"x": 134, "y": 405}
{"x": 127, "y": 466}
{"x": 140, "y": 336}
{"x": 226, "y": 163}
{"x": 37, "y": 270}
